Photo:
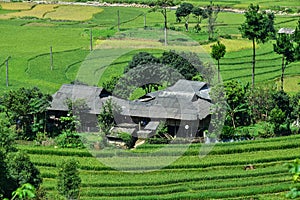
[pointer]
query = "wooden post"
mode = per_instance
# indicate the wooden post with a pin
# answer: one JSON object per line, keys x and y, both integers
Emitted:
{"x": 166, "y": 43}
{"x": 6, "y": 62}
{"x": 91, "y": 39}
{"x": 145, "y": 25}
{"x": 51, "y": 58}
{"x": 118, "y": 20}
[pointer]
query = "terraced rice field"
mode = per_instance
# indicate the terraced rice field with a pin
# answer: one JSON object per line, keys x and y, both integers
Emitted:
{"x": 27, "y": 40}
{"x": 219, "y": 175}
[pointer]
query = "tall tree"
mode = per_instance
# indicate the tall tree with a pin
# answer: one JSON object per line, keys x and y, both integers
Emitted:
{"x": 162, "y": 7}
{"x": 285, "y": 47}
{"x": 212, "y": 12}
{"x": 199, "y": 14}
{"x": 258, "y": 27}
{"x": 218, "y": 51}
{"x": 184, "y": 11}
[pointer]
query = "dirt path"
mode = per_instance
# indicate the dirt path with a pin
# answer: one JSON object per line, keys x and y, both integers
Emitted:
{"x": 134, "y": 5}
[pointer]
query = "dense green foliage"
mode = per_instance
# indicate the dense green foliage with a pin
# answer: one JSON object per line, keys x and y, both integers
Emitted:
{"x": 259, "y": 112}
{"x": 106, "y": 118}
{"x": 68, "y": 183}
{"x": 294, "y": 169}
{"x": 68, "y": 139}
{"x": 26, "y": 108}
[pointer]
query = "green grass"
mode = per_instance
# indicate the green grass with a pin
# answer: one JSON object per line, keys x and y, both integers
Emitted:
{"x": 219, "y": 175}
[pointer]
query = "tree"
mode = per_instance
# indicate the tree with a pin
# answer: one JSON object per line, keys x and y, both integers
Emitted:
{"x": 68, "y": 183}
{"x": 187, "y": 64}
{"x": 295, "y": 105}
{"x": 110, "y": 85}
{"x": 21, "y": 170}
{"x": 297, "y": 41}
{"x": 141, "y": 58}
{"x": 237, "y": 105}
{"x": 106, "y": 119}
{"x": 199, "y": 14}
{"x": 4, "y": 178}
{"x": 280, "y": 115}
{"x": 27, "y": 107}
{"x": 212, "y": 14}
{"x": 7, "y": 135}
{"x": 285, "y": 47}
{"x": 77, "y": 111}
{"x": 184, "y": 11}
{"x": 258, "y": 27}
{"x": 218, "y": 51}
{"x": 260, "y": 101}
{"x": 162, "y": 6}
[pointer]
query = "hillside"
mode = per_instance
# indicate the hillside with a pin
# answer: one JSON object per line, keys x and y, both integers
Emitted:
{"x": 219, "y": 175}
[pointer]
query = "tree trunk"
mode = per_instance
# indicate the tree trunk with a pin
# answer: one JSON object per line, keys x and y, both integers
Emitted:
{"x": 253, "y": 63}
{"x": 166, "y": 24}
{"x": 233, "y": 121}
{"x": 282, "y": 72}
{"x": 219, "y": 70}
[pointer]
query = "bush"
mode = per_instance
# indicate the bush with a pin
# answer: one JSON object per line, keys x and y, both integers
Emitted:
{"x": 68, "y": 183}
{"x": 267, "y": 130}
{"x": 69, "y": 139}
{"x": 295, "y": 130}
{"x": 227, "y": 133}
{"x": 244, "y": 133}
{"x": 128, "y": 139}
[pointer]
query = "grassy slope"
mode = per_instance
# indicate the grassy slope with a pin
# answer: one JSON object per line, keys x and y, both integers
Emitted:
{"x": 28, "y": 43}
{"x": 218, "y": 175}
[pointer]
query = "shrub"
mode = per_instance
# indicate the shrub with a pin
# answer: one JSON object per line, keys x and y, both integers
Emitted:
{"x": 244, "y": 133}
{"x": 294, "y": 169}
{"x": 68, "y": 180}
{"x": 128, "y": 139}
{"x": 227, "y": 133}
{"x": 69, "y": 139}
{"x": 267, "y": 130}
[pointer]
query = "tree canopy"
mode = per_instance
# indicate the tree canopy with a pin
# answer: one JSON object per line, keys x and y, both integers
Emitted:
{"x": 218, "y": 51}
{"x": 284, "y": 46}
{"x": 184, "y": 11}
{"x": 258, "y": 27}
{"x": 26, "y": 107}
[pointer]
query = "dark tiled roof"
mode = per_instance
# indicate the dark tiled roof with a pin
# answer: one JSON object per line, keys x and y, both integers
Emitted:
{"x": 185, "y": 100}
{"x": 90, "y": 95}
